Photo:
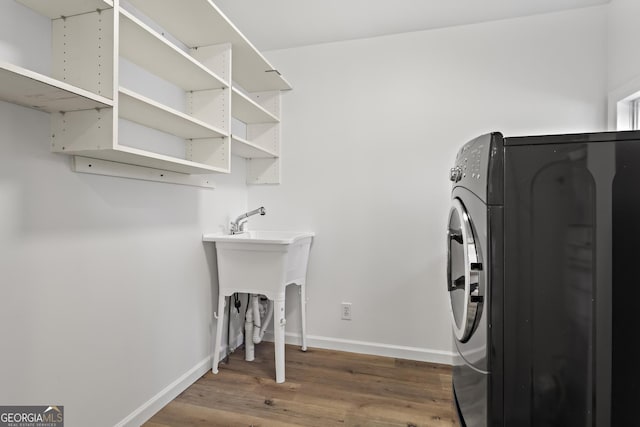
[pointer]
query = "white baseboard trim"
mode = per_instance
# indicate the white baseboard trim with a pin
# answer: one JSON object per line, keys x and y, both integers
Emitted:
{"x": 376, "y": 349}
{"x": 170, "y": 392}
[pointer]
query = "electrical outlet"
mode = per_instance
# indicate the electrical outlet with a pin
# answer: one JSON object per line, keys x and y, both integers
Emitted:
{"x": 346, "y": 311}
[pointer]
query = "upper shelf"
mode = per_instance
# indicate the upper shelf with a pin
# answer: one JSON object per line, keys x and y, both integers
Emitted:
{"x": 142, "y": 45}
{"x": 34, "y": 90}
{"x": 59, "y": 8}
{"x": 200, "y": 23}
{"x": 245, "y": 109}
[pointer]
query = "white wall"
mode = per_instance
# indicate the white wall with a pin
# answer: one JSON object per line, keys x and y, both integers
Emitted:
{"x": 623, "y": 36}
{"x": 623, "y": 63}
{"x": 370, "y": 132}
{"x": 105, "y": 285}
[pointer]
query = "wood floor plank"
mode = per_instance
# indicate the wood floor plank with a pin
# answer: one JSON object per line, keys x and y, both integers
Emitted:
{"x": 266, "y": 405}
{"x": 184, "y": 414}
{"x": 322, "y": 388}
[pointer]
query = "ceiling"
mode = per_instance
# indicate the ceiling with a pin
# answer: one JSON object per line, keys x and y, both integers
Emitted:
{"x": 278, "y": 24}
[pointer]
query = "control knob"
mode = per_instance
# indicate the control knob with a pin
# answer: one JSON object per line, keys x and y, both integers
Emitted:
{"x": 455, "y": 174}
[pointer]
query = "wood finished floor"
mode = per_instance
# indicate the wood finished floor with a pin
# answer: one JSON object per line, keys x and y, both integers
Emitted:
{"x": 322, "y": 388}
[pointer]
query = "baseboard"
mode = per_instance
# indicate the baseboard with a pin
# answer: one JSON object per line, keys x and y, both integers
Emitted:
{"x": 376, "y": 349}
{"x": 170, "y": 392}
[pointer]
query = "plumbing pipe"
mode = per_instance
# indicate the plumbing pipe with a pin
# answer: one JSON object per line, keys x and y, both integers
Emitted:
{"x": 249, "y": 348}
{"x": 259, "y": 328}
{"x": 257, "y": 319}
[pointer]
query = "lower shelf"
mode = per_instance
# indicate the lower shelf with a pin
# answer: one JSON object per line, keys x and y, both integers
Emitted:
{"x": 248, "y": 150}
{"x": 123, "y": 170}
{"x": 137, "y": 157}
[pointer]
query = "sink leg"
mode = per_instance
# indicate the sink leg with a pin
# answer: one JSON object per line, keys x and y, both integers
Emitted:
{"x": 278, "y": 331}
{"x": 303, "y": 314}
{"x": 218, "y": 337}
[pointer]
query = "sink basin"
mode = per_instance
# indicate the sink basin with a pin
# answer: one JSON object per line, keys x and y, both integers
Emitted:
{"x": 260, "y": 237}
{"x": 261, "y": 262}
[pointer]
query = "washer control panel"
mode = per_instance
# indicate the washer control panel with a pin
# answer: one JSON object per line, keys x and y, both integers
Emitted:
{"x": 469, "y": 160}
{"x": 472, "y": 166}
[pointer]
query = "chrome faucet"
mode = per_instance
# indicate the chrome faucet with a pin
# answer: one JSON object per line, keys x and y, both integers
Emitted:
{"x": 239, "y": 225}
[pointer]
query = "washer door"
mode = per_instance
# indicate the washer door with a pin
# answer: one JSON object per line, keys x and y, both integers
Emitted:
{"x": 463, "y": 273}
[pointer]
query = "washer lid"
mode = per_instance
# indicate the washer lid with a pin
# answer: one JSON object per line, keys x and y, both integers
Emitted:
{"x": 463, "y": 273}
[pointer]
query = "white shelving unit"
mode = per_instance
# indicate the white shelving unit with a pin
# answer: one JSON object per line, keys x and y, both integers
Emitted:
{"x": 256, "y": 87}
{"x": 189, "y": 44}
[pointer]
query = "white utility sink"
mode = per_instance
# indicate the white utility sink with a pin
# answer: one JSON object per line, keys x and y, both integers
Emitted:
{"x": 262, "y": 262}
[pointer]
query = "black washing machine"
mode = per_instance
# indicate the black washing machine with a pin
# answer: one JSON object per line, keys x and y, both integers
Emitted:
{"x": 542, "y": 251}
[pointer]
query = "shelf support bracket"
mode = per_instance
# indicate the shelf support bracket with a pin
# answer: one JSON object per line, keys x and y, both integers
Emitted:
{"x": 123, "y": 170}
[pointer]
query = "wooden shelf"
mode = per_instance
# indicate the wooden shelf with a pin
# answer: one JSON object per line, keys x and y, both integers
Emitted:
{"x": 59, "y": 8}
{"x": 248, "y": 111}
{"x": 142, "y": 45}
{"x": 34, "y": 90}
{"x": 200, "y": 23}
{"x": 150, "y": 113}
{"x": 248, "y": 150}
{"x": 135, "y": 156}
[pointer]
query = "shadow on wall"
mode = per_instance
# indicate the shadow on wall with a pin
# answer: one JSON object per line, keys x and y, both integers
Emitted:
{"x": 48, "y": 197}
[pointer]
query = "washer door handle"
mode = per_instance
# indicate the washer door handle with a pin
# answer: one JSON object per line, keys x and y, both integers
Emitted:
{"x": 457, "y": 284}
{"x": 455, "y": 235}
